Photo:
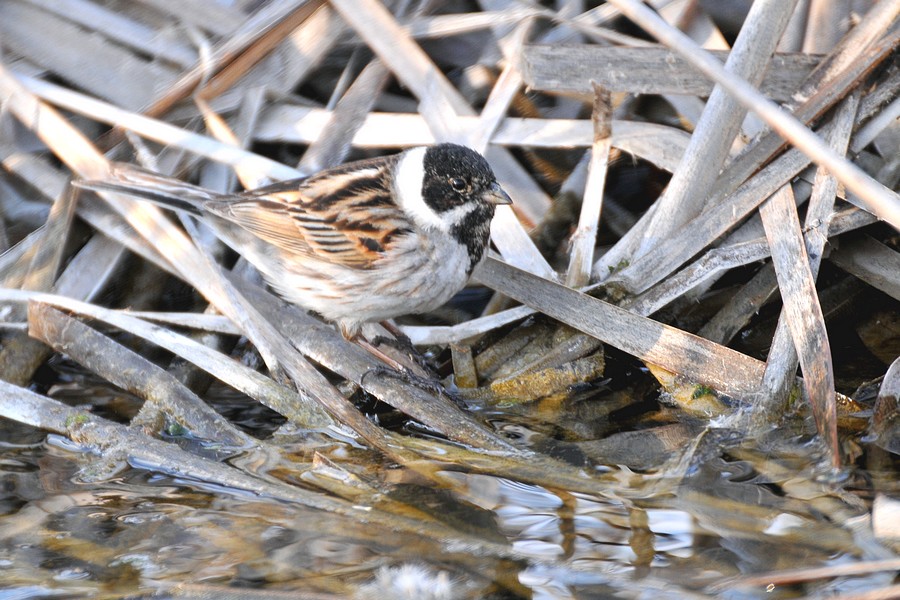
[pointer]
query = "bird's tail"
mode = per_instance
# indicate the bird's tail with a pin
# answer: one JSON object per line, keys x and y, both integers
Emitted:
{"x": 167, "y": 191}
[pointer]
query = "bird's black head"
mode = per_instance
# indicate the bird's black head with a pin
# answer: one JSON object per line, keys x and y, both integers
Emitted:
{"x": 455, "y": 175}
{"x": 458, "y": 194}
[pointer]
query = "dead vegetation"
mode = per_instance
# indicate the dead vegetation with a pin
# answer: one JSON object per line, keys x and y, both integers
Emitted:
{"x": 558, "y": 96}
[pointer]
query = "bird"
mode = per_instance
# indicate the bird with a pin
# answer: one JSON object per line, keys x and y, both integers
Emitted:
{"x": 366, "y": 241}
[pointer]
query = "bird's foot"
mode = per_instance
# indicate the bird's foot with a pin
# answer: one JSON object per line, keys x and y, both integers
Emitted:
{"x": 405, "y": 346}
{"x": 429, "y": 384}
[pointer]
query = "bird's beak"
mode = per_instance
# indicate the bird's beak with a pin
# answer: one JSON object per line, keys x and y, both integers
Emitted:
{"x": 496, "y": 195}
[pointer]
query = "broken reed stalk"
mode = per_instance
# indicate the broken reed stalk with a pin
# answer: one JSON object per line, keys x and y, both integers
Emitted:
{"x": 782, "y": 360}
{"x": 796, "y": 283}
{"x": 21, "y": 356}
{"x": 581, "y": 253}
{"x": 268, "y": 27}
{"x": 651, "y": 341}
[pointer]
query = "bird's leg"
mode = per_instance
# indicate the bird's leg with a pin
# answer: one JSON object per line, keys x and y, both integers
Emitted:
{"x": 356, "y": 336}
{"x": 429, "y": 384}
{"x": 379, "y": 354}
{"x": 396, "y": 332}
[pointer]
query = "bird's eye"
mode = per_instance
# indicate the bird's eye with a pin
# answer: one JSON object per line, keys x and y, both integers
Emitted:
{"x": 458, "y": 184}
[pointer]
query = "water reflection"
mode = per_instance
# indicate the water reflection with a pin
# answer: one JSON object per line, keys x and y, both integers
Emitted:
{"x": 71, "y": 528}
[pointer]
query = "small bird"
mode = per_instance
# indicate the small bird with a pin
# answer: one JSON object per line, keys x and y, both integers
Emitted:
{"x": 363, "y": 242}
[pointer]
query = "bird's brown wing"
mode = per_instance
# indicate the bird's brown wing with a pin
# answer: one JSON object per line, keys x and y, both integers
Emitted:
{"x": 343, "y": 216}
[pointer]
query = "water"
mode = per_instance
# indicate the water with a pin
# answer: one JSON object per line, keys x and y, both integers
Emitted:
{"x": 70, "y": 530}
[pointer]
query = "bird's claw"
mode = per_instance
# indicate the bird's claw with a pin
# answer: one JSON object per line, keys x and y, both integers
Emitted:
{"x": 429, "y": 384}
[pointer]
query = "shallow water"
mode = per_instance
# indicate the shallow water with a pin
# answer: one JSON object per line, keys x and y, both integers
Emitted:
{"x": 71, "y": 530}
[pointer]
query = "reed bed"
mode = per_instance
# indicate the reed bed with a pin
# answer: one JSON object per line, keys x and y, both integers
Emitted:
{"x": 769, "y": 151}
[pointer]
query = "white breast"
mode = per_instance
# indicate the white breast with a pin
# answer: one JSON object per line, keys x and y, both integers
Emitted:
{"x": 420, "y": 275}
